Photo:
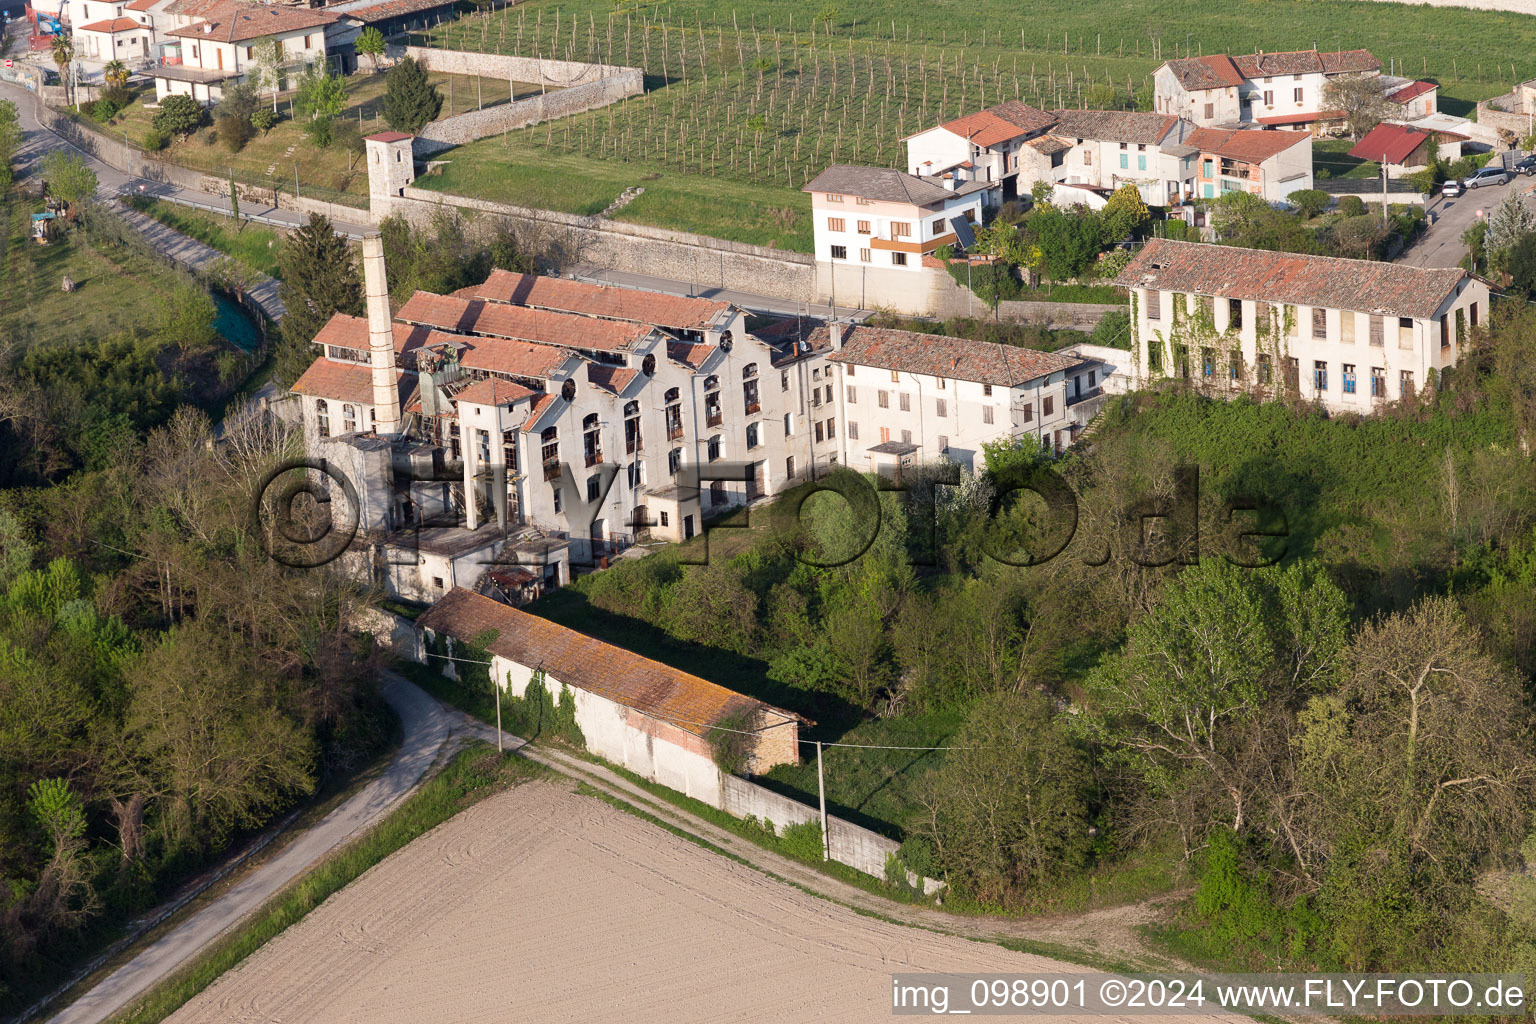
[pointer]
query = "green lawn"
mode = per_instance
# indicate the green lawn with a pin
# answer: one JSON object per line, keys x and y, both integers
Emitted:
{"x": 497, "y": 170}
{"x": 109, "y": 296}
{"x": 254, "y": 245}
{"x": 1333, "y": 156}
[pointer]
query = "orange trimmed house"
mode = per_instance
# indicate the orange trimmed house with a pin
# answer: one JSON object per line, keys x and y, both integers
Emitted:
{"x": 660, "y": 722}
{"x": 1268, "y": 164}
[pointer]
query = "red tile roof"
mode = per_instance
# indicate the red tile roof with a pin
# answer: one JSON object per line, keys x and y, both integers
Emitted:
{"x": 612, "y": 379}
{"x": 539, "y": 408}
{"x": 589, "y": 664}
{"x": 492, "y": 391}
{"x": 1214, "y": 72}
{"x": 1278, "y": 277}
{"x": 1279, "y": 120}
{"x": 389, "y": 136}
{"x": 141, "y": 5}
{"x": 346, "y": 382}
{"x": 476, "y": 316}
{"x": 1248, "y": 145}
{"x": 513, "y": 358}
{"x": 1389, "y": 143}
{"x": 345, "y": 331}
{"x": 689, "y": 355}
{"x": 1302, "y": 62}
{"x": 1007, "y": 120}
{"x": 942, "y": 356}
{"x": 393, "y": 9}
{"x": 112, "y": 25}
{"x": 561, "y": 295}
{"x": 1411, "y": 91}
{"x": 232, "y": 23}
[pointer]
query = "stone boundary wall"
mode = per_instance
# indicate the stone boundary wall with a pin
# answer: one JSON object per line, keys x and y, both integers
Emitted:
{"x": 567, "y": 239}
{"x": 579, "y": 87}
{"x": 1083, "y": 316}
{"x": 1518, "y": 123}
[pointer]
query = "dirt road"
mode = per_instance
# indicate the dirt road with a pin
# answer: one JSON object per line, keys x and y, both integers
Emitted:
{"x": 544, "y": 905}
{"x": 425, "y": 725}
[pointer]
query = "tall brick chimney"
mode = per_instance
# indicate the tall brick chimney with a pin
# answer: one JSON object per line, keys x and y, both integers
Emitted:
{"x": 381, "y": 339}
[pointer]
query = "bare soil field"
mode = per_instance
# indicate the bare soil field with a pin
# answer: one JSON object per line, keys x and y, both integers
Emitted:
{"x": 544, "y": 905}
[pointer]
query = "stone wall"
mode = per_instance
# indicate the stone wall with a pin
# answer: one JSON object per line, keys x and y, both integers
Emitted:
{"x": 1510, "y": 117}
{"x": 579, "y": 87}
{"x": 566, "y": 240}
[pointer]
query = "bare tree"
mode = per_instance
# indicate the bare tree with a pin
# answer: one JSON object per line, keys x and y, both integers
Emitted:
{"x": 1361, "y": 98}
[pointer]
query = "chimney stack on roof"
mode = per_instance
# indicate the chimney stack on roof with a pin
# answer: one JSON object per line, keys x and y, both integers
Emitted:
{"x": 835, "y": 327}
{"x": 381, "y": 339}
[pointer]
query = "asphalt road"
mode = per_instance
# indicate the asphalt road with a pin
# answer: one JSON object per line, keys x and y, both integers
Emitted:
{"x": 426, "y": 726}
{"x": 1441, "y": 245}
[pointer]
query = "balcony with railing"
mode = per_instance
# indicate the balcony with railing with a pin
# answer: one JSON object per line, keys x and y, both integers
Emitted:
{"x": 594, "y": 458}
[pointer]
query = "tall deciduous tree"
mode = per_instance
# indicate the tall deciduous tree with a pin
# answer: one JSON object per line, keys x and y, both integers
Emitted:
{"x": 411, "y": 100}
{"x": 69, "y": 177}
{"x": 370, "y": 43}
{"x": 1362, "y": 99}
{"x": 319, "y": 281}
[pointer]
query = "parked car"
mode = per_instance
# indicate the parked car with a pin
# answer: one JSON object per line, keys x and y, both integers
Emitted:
{"x": 1527, "y": 165}
{"x": 1451, "y": 189}
{"x": 1490, "y": 175}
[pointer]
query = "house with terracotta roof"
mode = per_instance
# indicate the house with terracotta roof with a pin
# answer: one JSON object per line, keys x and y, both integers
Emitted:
{"x": 907, "y": 398}
{"x": 989, "y": 146}
{"x": 1346, "y": 334}
{"x": 204, "y": 44}
{"x": 1405, "y": 148}
{"x": 1269, "y": 164}
{"x": 1277, "y": 90}
{"x": 659, "y": 722}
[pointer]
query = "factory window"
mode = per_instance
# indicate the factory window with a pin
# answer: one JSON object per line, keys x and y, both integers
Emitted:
{"x": 323, "y": 416}
{"x": 348, "y": 419}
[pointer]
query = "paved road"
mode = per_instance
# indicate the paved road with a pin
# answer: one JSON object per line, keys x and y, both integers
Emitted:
{"x": 39, "y": 140}
{"x": 1441, "y": 244}
{"x": 426, "y": 726}
{"x": 746, "y": 300}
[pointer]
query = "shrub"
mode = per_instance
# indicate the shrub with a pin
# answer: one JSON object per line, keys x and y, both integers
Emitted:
{"x": 1352, "y": 206}
{"x": 101, "y": 111}
{"x": 263, "y": 120}
{"x": 178, "y": 115}
{"x": 1113, "y": 331}
{"x": 321, "y": 131}
{"x": 1310, "y": 201}
{"x": 803, "y": 841}
{"x": 155, "y": 140}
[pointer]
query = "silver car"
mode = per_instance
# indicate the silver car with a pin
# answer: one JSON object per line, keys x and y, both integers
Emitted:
{"x": 1491, "y": 175}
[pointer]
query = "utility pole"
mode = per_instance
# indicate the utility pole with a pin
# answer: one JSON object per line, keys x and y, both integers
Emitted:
{"x": 295, "y": 186}
{"x": 497, "y": 690}
{"x": 1383, "y": 192}
{"x": 821, "y": 790}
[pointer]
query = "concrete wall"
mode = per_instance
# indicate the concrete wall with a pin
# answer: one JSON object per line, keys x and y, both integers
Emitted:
{"x": 681, "y": 760}
{"x": 579, "y": 87}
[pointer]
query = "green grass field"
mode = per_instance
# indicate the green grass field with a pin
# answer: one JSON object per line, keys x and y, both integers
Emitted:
{"x": 109, "y": 296}
{"x": 254, "y": 245}
{"x": 1333, "y": 156}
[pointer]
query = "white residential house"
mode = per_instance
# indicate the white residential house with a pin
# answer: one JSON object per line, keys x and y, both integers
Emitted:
{"x": 1278, "y": 90}
{"x": 207, "y": 44}
{"x": 873, "y": 226}
{"x": 1269, "y": 164}
{"x": 907, "y": 399}
{"x": 1111, "y": 148}
{"x": 989, "y": 145}
{"x": 1347, "y": 334}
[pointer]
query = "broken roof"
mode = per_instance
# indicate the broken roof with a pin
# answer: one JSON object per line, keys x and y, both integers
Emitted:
{"x": 1114, "y": 125}
{"x": 586, "y": 663}
{"x": 567, "y": 296}
{"x": 940, "y": 355}
{"x": 887, "y": 185}
{"x": 341, "y": 381}
{"x": 476, "y": 316}
{"x": 491, "y": 391}
{"x": 1280, "y": 277}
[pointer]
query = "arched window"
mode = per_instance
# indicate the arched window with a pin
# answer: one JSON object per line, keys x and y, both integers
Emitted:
{"x": 348, "y": 419}
{"x": 549, "y": 453}
{"x": 671, "y": 395}
{"x": 749, "y": 394}
{"x": 631, "y": 408}
{"x": 711, "y": 383}
{"x": 716, "y": 492}
{"x": 714, "y": 448}
{"x": 713, "y": 415}
{"x": 674, "y": 415}
{"x": 632, "y": 440}
{"x": 591, "y": 440}
{"x": 323, "y": 418}
{"x": 675, "y": 461}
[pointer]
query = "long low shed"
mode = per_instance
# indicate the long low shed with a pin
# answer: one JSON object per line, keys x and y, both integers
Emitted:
{"x": 653, "y": 719}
